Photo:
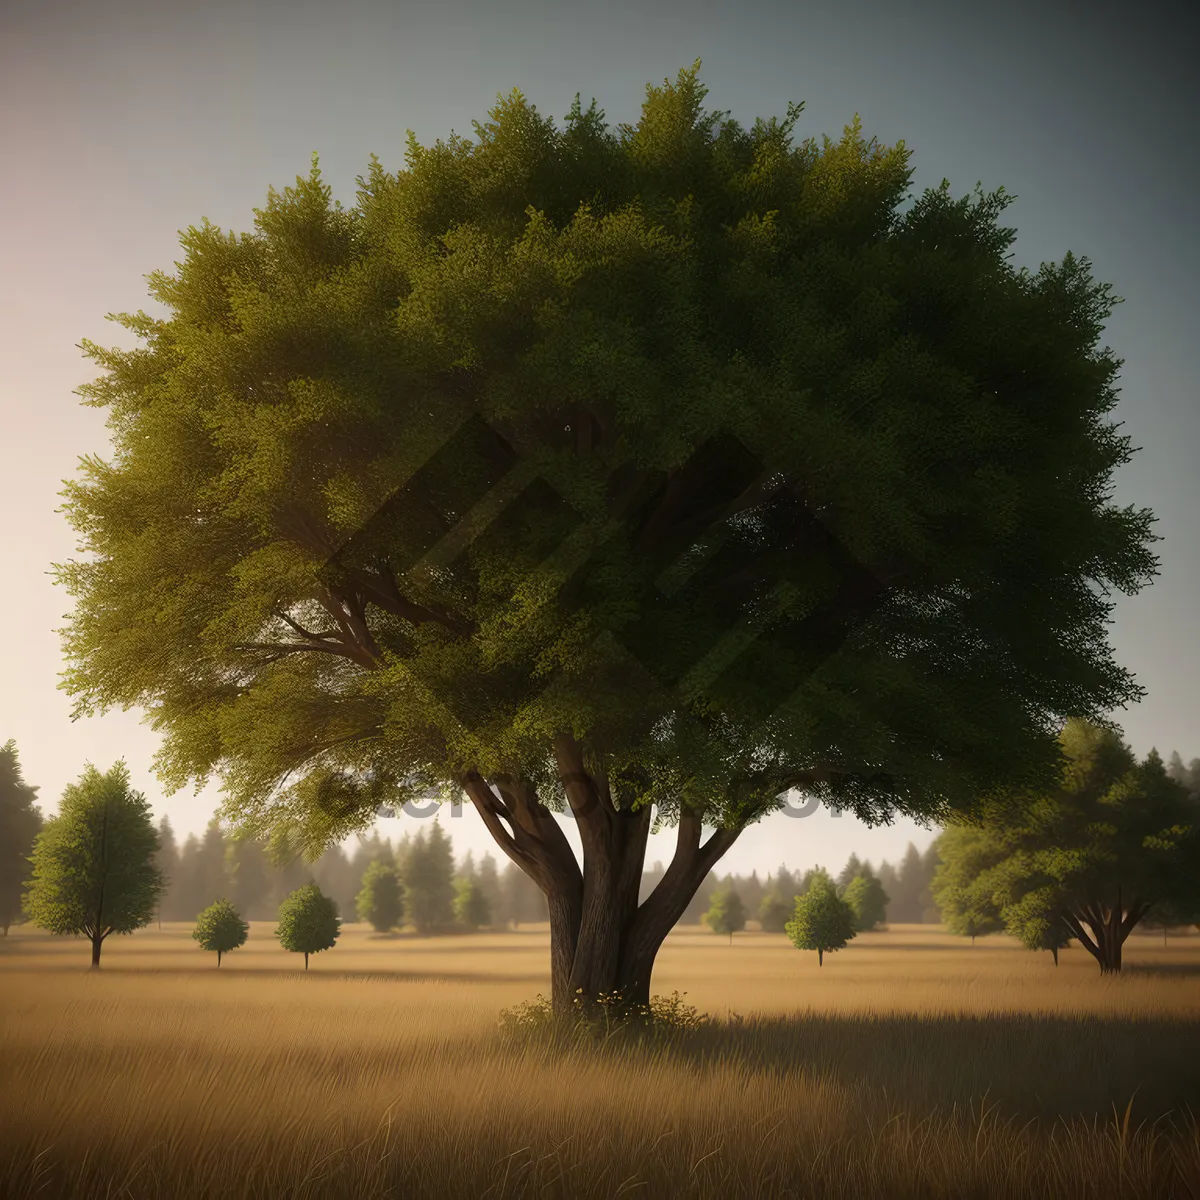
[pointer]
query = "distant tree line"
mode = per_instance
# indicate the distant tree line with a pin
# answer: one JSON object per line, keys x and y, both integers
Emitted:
{"x": 1115, "y": 845}
{"x": 432, "y": 893}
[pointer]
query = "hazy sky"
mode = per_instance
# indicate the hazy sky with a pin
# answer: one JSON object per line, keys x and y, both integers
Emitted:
{"x": 122, "y": 123}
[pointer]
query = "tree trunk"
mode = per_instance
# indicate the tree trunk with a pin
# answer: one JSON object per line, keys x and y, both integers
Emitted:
{"x": 218, "y": 959}
{"x": 820, "y": 957}
{"x": 1054, "y": 951}
{"x": 97, "y": 942}
{"x": 306, "y": 960}
{"x": 6, "y": 928}
{"x": 1109, "y": 927}
{"x": 602, "y": 941}
{"x": 731, "y": 937}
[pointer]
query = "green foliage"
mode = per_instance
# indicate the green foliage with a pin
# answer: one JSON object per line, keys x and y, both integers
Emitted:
{"x": 868, "y": 901}
{"x": 94, "y": 869}
{"x": 963, "y": 887}
{"x": 613, "y": 302}
{"x": 775, "y": 910}
{"x": 248, "y": 870}
{"x": 726, "y": 913}
{"x": 1037, "y": 920}
{"x": 308, "y": 922}
{"x": 20, "y": 823}
{"x": 1089, "y": 858}
{"x": 429, "y": 880}
{"x": 471, "y": 908}
{"x": 381, "y": 899}
{"x": 822, "y": 920}
{"x": 220, "y": 928}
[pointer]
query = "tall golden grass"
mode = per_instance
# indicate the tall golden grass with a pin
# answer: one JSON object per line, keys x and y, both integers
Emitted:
{"x": 911, "y": 1064}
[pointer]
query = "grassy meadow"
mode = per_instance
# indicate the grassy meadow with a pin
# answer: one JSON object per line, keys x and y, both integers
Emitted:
{"x": 911, "y": 1064}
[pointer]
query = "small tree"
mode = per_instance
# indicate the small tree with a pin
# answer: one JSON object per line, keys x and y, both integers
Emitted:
{"x": 774, "y": 911}
{"x": 471, "y": 906}
{"x": 726, "y": 913}
{"x": 381, "y": 899}
{"x": 822, "y": 921}
{"x": 220, "y": 928}
{"x": 308, "y": 922}
{"x": 866, "y": 897}
{"x": 1037, "y": 921}
{"x": 963, "y": 885}
{"x": 94, "y": 864}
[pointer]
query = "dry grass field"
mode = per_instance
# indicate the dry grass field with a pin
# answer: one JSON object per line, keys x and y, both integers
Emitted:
{"x": 912, "y": 1064}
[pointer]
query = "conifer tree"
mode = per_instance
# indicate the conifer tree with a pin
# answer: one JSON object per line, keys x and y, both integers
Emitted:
{"x": 167, "y": 861}
{"x": 20, "y": 823}
{"x": 429, "y": 880}
{"x": 471, "y": 909}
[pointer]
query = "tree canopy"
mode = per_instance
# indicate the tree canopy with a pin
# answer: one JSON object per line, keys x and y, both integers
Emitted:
{"x": 822, "y": 920}
{"x": 94, "y": 863}
{"x": 308, "y": 922}
{"x": 471, "y": 907}
{"x": 220, "y": 928}
{"x": 1087, "y": 859}
{"x": 868, "y": 901}
{"x": 20, "y": 823}
{"x": 647, "y": 472}
{"x": 961, "y": 885}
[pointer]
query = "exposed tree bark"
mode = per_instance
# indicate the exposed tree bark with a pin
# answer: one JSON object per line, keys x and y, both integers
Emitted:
{"x": 1107, "y": 927}
{"x": 602, "y": 941}
{"x": 97, "y": 942}
{"x": 306, "y": 960}
{"x": 820, "y": 957}
{"x": 218, "y": 958}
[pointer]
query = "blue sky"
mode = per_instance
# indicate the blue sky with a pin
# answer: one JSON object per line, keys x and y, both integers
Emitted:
{"x": 122, "y": 123}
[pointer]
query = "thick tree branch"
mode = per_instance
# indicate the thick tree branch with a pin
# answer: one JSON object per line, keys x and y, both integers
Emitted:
{"x": 763, "y": 488}
{"x": 1077, "y": 931}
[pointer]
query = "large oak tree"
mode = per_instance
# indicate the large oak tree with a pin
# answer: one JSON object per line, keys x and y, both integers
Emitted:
{"x": 644, "y": 473}
{"x": 1089, "y": 858}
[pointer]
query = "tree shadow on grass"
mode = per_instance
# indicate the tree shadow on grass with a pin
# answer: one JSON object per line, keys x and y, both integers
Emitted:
{"x": 1164, "y": 971}
{"x": 1029, "y": 1065}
